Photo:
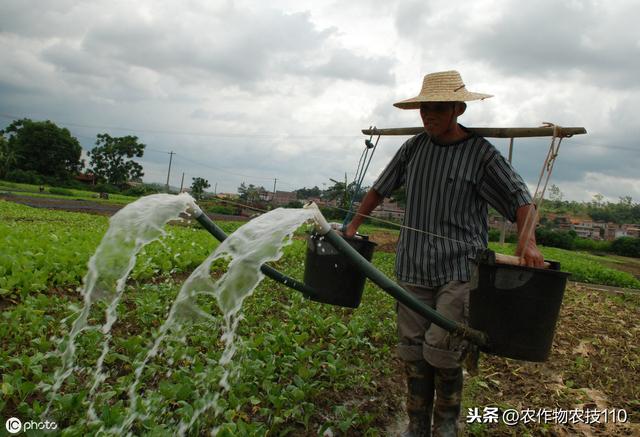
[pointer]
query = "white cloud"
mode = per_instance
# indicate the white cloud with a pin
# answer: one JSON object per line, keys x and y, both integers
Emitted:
{"x": 282, "y": 89}
{"x": 593, "y": 183}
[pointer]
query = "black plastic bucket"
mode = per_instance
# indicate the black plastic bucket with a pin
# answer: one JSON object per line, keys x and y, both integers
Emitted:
{"x": 517, "y": 307}
{"x": 336, "y": 280}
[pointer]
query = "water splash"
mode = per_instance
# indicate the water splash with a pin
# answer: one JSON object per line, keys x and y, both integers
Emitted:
{"x": 141, "y": 222}
{"x": 130, "y": 229}
{"x": 259, "y": 241}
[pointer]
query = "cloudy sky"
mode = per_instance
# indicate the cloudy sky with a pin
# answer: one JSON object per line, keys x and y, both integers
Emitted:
{"x": 254, "y": 90}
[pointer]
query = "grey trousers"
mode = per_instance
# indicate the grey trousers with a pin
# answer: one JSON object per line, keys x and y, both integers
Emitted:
{"x": 420, "y": 339}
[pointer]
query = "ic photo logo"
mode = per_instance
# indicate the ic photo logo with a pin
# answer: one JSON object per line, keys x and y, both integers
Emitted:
{"x": 13, "y": 425}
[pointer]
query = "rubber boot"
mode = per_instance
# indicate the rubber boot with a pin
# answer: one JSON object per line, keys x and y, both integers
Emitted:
{"x": 420, "y": 389}
{"x": 448, "y": 384}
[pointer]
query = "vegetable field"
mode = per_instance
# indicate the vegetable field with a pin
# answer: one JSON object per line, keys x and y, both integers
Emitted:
{"x": 302, "y": 368}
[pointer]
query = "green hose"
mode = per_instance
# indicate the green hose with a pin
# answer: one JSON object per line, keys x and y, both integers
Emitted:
{"x": 379, "y": 278}
{"x": 400, "y": 294}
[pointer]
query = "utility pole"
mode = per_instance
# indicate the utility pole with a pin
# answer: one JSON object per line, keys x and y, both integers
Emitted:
{"x": 182, "y": 182}
{"x": 274, "y": 190}
{"x": 215, "y": 189}
{"x": 169, "y": 171}
{"x": 345, "y": 190}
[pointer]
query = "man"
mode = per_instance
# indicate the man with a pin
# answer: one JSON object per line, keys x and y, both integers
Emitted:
{"x": 450, "y": 176}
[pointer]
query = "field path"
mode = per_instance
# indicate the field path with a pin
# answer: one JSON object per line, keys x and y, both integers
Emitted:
{"x": 75, "y": 205}
{"x": 88, "y": 206}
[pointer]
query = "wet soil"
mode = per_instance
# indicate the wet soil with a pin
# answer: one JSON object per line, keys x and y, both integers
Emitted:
{"x": 594, "y": 364}
{"x": 386, "y": 241}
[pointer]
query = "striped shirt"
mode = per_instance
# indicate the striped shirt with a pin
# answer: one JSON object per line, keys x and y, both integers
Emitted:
{"x": 448, "y": 190}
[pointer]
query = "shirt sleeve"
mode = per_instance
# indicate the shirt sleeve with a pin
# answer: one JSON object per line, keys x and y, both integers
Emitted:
{"x": 502, "y": 187}
{"x": 393, "y": 176}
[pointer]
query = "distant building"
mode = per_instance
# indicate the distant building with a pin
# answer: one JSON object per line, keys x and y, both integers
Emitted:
{"x": 389, "y": 210}
{"x": 227, "y": 196}
{"x": 496, "y": 221}
{"x": 563, "y": 222}
{"x": 584, "y": 229}
{"x": 632, "y": 230}
{"x": 333, "y": 203}
{"x": 86, "y": 178}
{"x": 607, "y": 231}
{"x": 283, "y": 197}
{"x": 613, "y": 231}
{"x": 321, "y": 202}
{"x": 318, "y": 201}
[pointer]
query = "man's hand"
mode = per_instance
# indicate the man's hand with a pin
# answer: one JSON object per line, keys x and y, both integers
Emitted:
{"x": 369, "y": 203}
{"x": 530, "y": 256}
{"x": 350, "y": 230}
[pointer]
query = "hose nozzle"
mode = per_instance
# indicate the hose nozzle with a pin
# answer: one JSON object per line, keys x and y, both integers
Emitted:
{"x": 322, "y": 226}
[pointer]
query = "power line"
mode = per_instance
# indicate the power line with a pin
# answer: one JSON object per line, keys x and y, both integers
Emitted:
{"x": 222, "y": 170}
{"x": 151, "y": 149}
{"x": 244, "y": 135}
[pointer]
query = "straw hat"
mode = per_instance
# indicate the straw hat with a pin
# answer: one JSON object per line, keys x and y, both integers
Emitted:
{"x": 444, "y": 86}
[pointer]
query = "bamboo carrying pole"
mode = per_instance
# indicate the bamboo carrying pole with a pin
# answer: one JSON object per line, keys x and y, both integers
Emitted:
{"x": 489, "y": 132}
{"x": 495, "y": 132}
{"x": 513, "y": 260}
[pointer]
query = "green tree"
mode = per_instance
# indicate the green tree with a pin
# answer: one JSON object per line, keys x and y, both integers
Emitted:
{"x": 198, "y": 186}
{"x": 598, "y": 200}
{"x": 294, "y": 204}
{"x": 555, "y": 194}
{"x": 8, "y": 157}
{"x": 626, "y": 201}
{"x": 400, "y": 196}
{"x": 343, "y": 192}
{"x": 111, "y": 159}
{"x": 337, "y": 191}
{"x": 40, "y": 147}
{"x": 305, "y": 193}
{"x": 554, "y": 238}
{"x": 626, "y": 246}
{"x": 625, "y": 211}
{"x": 251, "y": 193}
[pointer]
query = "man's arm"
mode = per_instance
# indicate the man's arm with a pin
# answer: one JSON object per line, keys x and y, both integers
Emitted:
{"x": 371, "y": 200}
{"x": 527, "y": 249}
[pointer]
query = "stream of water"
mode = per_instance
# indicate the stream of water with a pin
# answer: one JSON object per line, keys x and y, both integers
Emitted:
{"x": 139, "y": 223}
